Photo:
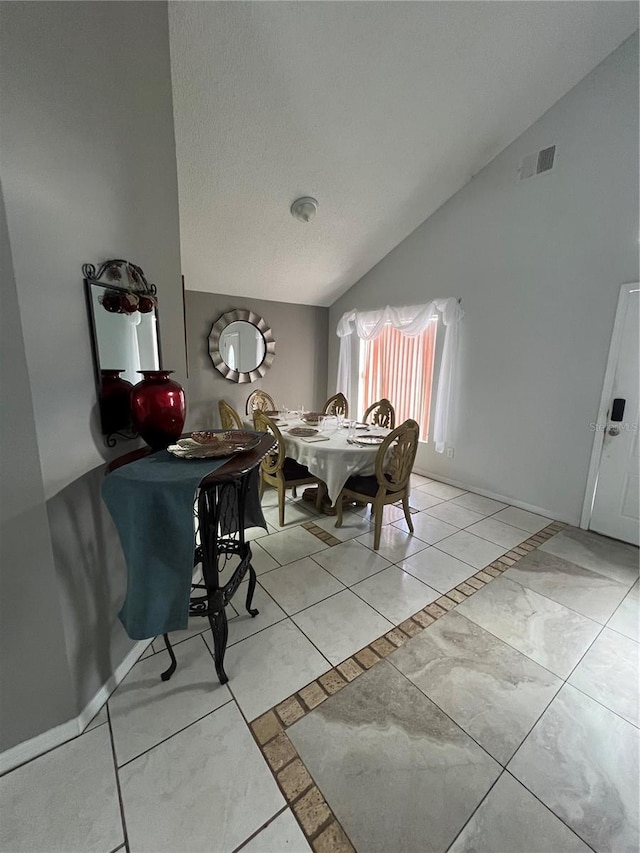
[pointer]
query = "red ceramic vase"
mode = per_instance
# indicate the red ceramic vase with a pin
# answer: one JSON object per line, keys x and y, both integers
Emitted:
{"x": 115, "y": 406}
{"x": 158, "y": 408}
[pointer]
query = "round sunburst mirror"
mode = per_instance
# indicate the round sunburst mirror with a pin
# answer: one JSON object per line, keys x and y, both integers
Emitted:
{"x": 241, "y": 346}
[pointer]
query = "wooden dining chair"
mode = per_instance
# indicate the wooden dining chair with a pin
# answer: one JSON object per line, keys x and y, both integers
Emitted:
{"x": 280, "y": 470}
{"x": 259, "y": 400}
{"x": 229, "y": 418}
{"x": 381, "y": 414}
{"x": 336, "y": 405}
{"x": 390, "y": 483}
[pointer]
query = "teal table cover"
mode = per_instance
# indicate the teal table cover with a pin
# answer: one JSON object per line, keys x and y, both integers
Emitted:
{"x": 151, "y": 502}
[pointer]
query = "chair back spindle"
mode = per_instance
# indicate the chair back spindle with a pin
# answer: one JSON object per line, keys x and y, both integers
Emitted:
{"x": 381, "y": 414}
{"x": 395, "y": 458}
{"x": 336, "y": 405}
{"x": 274, "y": 460}
{"x": 229, "y": 418}
{"x": 259, "y": 400}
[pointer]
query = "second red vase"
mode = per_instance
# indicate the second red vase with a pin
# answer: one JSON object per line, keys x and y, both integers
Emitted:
{"x": 158, "y": 408}
{"x": 115, "y": 394}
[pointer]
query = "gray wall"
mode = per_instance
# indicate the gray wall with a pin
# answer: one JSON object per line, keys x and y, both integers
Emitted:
{"x": 89, "y": 173}
{"x": 297, "y": 376}
{"x": 538, "y": 264}
{"x": 35, "y": 688}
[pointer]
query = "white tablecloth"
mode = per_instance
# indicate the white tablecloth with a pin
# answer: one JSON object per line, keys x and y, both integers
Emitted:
{"x": 333, "y": 461}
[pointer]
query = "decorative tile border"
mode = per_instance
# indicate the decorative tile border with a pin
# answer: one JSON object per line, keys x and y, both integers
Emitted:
{"x": 320, "y": 826}
{"x": 323, "y": 832}
{"x": 326, "y": 537}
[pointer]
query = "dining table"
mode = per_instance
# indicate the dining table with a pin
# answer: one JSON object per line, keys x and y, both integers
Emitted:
{"x": 334, "y": 452}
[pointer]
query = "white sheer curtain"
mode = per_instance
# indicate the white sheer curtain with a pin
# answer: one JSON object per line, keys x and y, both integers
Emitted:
{"x": 411, "y": 320}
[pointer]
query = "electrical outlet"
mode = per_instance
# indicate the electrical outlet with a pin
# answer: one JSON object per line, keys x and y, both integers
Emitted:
{"x": 449, "y": 452}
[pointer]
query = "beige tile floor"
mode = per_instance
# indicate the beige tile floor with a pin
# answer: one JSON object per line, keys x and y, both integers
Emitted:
{"x": 521, "y": 702}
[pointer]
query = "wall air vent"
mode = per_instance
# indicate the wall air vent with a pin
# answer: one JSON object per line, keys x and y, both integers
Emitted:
{"x": 535, "y": 164}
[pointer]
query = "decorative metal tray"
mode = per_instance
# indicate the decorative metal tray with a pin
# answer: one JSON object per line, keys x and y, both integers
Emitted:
{"x": 209, "y": 445}
{"x": 239, "y": 436}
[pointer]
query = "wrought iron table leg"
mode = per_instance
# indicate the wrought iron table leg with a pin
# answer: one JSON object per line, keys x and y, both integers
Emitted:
{"x": 166, "y": 675}
{"x": 251, "y": 588}
{"x": 220, "y": 631}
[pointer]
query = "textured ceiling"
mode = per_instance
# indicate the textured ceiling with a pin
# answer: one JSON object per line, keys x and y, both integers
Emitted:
{"x": 381, "y": 111}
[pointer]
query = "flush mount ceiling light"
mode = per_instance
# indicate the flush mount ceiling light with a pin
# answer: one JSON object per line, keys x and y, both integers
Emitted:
{"x": 304, "y": 209}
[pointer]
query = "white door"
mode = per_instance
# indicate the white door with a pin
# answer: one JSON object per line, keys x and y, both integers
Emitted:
{"x": 615, "y": 507}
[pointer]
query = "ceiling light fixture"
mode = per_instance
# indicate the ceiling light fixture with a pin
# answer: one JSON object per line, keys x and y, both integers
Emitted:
{"x": 304, "y": 209}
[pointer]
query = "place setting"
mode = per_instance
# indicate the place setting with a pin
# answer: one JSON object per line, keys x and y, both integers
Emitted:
{"x": 308, "y": 426}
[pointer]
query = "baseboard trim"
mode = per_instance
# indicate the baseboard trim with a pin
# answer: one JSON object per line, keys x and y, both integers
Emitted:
{"x": 32, "y": 748}
{"x": 94, "y": 705}
{"x": 28, "y": 749}
{"x": 539, "y": 510}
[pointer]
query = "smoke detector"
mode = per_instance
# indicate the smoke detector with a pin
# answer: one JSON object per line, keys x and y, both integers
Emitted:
{"x": 304, "y": 209}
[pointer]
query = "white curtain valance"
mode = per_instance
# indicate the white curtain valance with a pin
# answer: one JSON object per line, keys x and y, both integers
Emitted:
{"x": 411, "y": 320}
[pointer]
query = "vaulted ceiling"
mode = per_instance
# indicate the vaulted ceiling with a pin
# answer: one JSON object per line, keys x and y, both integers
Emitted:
{"x": 380, "y": 110}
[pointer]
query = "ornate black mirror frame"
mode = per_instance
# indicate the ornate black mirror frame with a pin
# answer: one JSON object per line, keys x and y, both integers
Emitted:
{"x": 123, "y": 280}
{"x": 241, "y": 314}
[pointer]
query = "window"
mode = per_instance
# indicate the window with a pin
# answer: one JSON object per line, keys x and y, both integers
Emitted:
{"x": 400, "y": 368}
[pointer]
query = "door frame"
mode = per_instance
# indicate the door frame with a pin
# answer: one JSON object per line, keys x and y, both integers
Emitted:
{"x": 607, "y": 388}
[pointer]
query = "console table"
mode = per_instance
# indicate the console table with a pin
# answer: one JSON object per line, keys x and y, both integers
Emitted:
{"x": 158, "y": 576}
